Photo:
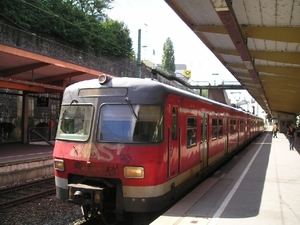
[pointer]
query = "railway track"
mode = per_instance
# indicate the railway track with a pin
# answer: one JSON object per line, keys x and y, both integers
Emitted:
{"x": 26, "y": 192}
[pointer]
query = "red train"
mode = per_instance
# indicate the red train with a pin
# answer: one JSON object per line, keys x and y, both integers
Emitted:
{"x": 135, "y": 145}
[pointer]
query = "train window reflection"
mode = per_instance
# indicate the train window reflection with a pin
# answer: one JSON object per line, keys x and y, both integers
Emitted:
{"x": 174, "y": 123}
{"x": 214, "y": 131}
{"x": 220, "y": 128}
{"x": 118, "y": 123}
{"x": 191, "y": 131}
{"x": 75, "y": 122}
{"x": 242, "y": 129}
{"x": 233, "y": 127}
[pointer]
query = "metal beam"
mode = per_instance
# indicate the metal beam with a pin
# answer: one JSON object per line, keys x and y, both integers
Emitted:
{"x": 47, "y": 59}
{"x": 283, "y": 57}
{"x": 59, "y": 77}
{"x": 228, "y": 18}
{"x": 284, "y": 34}
{"x": 219, "y": 87}
{"x": 279, "y": 70}
{"x": 28, "y": 85}
{"x": 204, "y": 87}
{"x": 21, "y": 69}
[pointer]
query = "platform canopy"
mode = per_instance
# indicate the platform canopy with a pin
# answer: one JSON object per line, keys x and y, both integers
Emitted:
{"x": 258, "y": 41}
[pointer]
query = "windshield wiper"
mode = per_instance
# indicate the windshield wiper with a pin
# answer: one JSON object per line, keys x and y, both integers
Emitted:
{"x": 74, "y": 100}
{"x": 131, "y": 107}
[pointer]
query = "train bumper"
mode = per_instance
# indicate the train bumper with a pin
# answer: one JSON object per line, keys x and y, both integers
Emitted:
{"x": 83, "y": 194}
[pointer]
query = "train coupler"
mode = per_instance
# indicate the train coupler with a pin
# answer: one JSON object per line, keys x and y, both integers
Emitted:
{"x": 83, "y": 194}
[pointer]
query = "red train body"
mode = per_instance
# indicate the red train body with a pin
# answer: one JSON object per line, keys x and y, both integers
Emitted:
{"x": 135, "y": 145}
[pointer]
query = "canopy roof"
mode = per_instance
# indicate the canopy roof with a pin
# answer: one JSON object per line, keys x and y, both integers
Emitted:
{"x": 258, "y": 41}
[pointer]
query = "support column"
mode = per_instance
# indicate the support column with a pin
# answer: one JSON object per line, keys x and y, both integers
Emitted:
{"x": 24, "y": 138}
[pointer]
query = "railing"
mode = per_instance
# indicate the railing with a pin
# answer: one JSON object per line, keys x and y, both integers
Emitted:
{"x": 40, "y": 134}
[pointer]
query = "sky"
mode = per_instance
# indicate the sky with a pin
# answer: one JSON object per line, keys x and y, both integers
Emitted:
{"x": 157, "y": 21}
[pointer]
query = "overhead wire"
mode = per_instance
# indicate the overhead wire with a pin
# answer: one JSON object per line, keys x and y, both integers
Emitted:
{"x": 129, "y": 13}
{"x": 13, "y": 22}
{"x": 132, "y": 13}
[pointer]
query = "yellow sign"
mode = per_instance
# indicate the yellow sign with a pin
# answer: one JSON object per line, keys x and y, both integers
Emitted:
{"x": 187, "y": 73}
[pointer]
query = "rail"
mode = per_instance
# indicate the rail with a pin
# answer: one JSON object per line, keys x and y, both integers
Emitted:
{"x": 18, "y": 194}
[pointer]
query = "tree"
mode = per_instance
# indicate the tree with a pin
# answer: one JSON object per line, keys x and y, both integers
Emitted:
{"x": 168, "y": 58}
{"x": 118, "y": 39}
{"x": 81, "y": 24}
{"x": 92, "y": 7}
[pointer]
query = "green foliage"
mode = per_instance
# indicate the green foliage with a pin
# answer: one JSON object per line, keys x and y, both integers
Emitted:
{"x": 117, "y": 32}
{"x": 94, "y": 8}
{"x": 168, "y": 58}
{"x": 205, "y": 93}
{"x": 81, "y": 24}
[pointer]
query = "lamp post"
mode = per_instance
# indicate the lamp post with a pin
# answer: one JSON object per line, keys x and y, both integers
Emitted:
{"x": 139, "y": 65}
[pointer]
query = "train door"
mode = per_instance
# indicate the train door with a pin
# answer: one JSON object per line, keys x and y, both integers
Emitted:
{"x": 174, "y": 143}
{"x": 204, "y": 147}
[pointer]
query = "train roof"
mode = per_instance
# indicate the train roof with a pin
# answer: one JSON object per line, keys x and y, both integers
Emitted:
{"x": 143, "y": 84}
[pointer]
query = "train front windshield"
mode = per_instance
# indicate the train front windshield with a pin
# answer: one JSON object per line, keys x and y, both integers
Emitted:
{"x": 75, "y": 122}
{"x": 130, "y": 123}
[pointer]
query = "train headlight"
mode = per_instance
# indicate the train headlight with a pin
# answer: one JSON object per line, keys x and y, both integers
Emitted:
{"x": 134, "y": 172}
{"x": 102, "y": 79}
{"x": 59, "y": 164}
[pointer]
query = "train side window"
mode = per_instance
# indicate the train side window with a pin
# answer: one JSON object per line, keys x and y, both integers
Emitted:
{"x": 214, "y": 129}
{"x": 247, "y": 128}
{"x": 242, "y": 126}
{"x": 220, "y": 127}
{"x": 174, "y": 123}
{"x": 191, "y": 131}
{"x": 205, "y": 130}
{"x": 201, "y": 129}
{"x": 232, "y": 126}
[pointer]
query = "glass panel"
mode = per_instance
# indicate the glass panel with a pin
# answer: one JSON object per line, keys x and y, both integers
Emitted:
{"x": 205, "y": 130}
{"x": 241, "y": 125}
{"x": 214, "y": 133}
{"x": 233, "y": 127}
{"x": 10, "y": 116}
{"x": 118, "y": 123}
{"x": 75, "y": 122}
{"x": 201, "y": 129}
{"x": 220, "y": 125}
{"x": 191, "y": 131}
{"x": 174, "y": 123}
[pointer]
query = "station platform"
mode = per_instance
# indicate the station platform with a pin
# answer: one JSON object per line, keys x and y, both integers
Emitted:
{"x": 260, "y": 185}
{"x": 16, "y": 152}
{"x": 20, "y": 162}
